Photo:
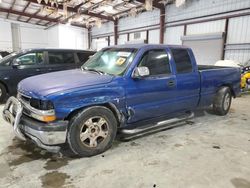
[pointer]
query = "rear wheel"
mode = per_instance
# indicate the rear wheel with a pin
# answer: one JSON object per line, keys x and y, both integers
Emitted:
{"x": 3, "y": 93}
{"x": 92, "y": 131}
{"x": 222, "y": 101}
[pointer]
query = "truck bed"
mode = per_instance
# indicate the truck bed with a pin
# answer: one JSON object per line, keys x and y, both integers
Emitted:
{"x": 213, "y": 77}
{"x": 209, "y": 67}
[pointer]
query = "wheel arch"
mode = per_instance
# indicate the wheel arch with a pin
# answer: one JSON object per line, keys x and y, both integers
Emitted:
{"x": 230, "y": 87}
{"x": 5, "y": 85}
{"x": 119, "y": 116}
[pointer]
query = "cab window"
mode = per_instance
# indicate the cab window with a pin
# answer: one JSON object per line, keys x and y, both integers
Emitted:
{"x": 182, "y": 60}
{"x": 157, "y": 62}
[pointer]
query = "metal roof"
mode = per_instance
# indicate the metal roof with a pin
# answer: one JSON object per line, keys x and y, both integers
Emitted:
{"x": 83, "y": 13}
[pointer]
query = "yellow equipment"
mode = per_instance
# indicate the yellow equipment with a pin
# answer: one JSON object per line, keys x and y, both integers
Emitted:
{"x": 245, "y": 79}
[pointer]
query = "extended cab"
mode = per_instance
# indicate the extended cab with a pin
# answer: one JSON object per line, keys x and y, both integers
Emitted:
{"x": 120, "y": 88}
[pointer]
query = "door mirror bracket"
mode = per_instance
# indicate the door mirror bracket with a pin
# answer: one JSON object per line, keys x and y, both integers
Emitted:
{"x": 15, "y": 64}
{"x": 141, "y": 72}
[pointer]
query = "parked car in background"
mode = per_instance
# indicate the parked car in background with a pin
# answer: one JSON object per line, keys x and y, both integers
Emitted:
{"x": 31, "y": 62}
{"x": 128, "y": 87}
{"x": 3, "y": 54}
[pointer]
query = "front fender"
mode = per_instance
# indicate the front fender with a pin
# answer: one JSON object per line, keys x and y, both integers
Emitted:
{"x": 65, "y": 103}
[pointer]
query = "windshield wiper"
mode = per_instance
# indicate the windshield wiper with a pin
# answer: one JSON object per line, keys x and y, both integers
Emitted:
{"x": 93, "y": 70}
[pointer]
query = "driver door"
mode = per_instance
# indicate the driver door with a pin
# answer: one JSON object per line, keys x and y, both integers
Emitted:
{"x": 154, "y": 95}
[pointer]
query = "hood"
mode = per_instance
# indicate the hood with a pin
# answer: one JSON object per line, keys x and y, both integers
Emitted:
{"x": 46, "y": 84}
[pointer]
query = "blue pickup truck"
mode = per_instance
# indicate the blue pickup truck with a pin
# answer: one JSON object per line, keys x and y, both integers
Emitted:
{"x": 121, "y": 88}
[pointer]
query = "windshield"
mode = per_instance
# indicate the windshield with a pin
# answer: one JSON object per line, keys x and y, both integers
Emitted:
{"x": 110, "y": 61}
{"x": 5, "y": 60}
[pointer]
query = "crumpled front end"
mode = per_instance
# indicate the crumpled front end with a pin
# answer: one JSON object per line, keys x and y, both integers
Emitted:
{"x": 26, "y": 124}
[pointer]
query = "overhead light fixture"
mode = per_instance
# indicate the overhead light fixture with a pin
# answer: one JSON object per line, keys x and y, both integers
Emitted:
{"x": 133, "y": 12}
{"x": 108, "y": 8}
{"x": 54, "y": 2}
{"x": 149, "y": 5}
{"x": 65, "y": 10}
{"x": 49, "y": 10}
{"x": 98, "y": 23}
{"x": 179, "y": 3}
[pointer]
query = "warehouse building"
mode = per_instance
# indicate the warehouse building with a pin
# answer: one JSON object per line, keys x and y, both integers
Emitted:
{"x": 194, "y": 149}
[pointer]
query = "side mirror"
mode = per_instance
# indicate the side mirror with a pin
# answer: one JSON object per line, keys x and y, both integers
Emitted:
{"x": 15, "y": 63}
{"x": 141, "y": 72}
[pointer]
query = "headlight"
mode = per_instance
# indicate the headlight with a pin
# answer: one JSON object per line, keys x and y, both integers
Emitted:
{"x": 41, "y": 104}
{"x": 42, "y": 110}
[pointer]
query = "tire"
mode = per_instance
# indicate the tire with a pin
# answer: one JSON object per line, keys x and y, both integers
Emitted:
{"x": 3, "y": 93}
{"x": 222, "y": 101}
{"x": 92, "y": 131}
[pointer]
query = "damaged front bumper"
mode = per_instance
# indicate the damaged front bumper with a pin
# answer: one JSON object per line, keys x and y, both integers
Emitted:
{"x": 45, "y": 135}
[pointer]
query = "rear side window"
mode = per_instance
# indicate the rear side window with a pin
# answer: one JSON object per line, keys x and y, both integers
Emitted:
{"x": 182, "y": 60}
{"x": 83, "y": 56}
{"x": 157, "y": 62}
{"x": 61, "y": 58}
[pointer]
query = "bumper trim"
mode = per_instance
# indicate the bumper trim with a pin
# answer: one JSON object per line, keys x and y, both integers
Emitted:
{"x": 55, "y": 126}
{"x": 14, "y": 120}
{"x": 53, "y": 149}
{"x": 46, "y": 137}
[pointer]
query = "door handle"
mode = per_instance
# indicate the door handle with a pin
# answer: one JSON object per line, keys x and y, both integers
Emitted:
{"x": 171, "y": 83}
{"x": 38, "y": 70}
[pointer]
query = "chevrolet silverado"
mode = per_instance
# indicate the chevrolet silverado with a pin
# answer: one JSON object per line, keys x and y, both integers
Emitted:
{"x": 121, "y": 88}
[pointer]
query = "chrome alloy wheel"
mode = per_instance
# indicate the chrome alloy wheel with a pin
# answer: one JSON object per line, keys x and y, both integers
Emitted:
{"x": 94, "y": 131}
{"x": 227, "y": 101}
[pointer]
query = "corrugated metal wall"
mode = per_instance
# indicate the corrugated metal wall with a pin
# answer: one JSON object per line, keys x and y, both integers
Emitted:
{"x": 238, "y": 39}
{"x": 153, "y": 37}
{"x": 142, "y": 20}
{"x": 195, "y": 10}
{"x": 206, "y": 27}
{"x": 173, "y": 35}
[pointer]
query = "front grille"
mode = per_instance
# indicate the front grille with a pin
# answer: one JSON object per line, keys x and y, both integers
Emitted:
{"x": 23, "y": 98}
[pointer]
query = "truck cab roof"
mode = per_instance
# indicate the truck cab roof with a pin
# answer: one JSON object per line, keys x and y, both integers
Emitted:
{"x": 146, "y": 46}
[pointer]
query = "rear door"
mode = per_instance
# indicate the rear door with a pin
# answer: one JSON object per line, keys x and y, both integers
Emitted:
{"x": 60, "y": 60}
{"x": 187, "y": 78}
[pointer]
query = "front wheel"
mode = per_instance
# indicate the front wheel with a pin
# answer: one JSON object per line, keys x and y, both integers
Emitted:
{"x": 92, "y": 131}
{"x": 222, "y": 101}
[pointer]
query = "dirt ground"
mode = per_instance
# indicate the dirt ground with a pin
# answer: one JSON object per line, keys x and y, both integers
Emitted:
{"x": 208, "y": 151}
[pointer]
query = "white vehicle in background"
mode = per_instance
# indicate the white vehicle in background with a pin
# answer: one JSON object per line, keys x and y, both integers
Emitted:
{"x": 3, "y": 54}
{"x": 245, "y": 71}
{"x": 227, "y": 63}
